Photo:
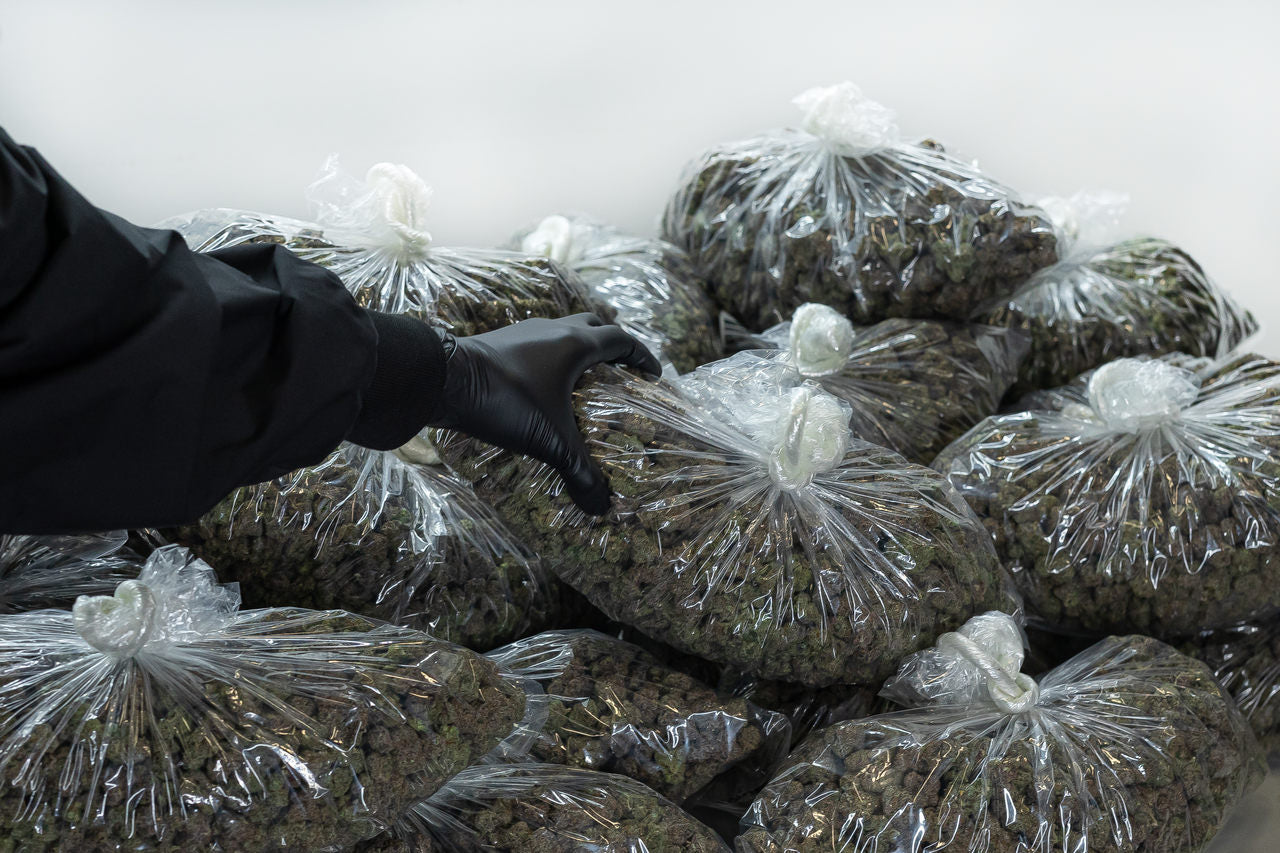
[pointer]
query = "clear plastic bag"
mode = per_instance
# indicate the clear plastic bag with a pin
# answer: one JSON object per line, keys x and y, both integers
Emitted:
{"x": 1110, "y": 297}
{"x": 543, "y": 808}
{"x": 375, "y": 534}
{"x": 1246, "y": 661}
{"x": 1144, "y": 497}
{"x": 1129, "y": 746}
{"x": 165, "y": 718}
{"x": 914, "y": 385}
{"x": 649, "y": 284}
{"x": 806, "y": 708}
{"x": 846, "y": 213}
{"x": 748, "y": 527}
{"x": 50, "y": 571}
{"x": 615, "y": 708}
{"x": 370, "y": 233}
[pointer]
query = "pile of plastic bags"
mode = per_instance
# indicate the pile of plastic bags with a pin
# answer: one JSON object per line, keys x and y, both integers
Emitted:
{"x": 907, "y": 420}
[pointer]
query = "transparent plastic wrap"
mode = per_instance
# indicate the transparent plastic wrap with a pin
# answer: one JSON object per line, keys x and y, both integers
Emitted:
{"x": 1129, "y": 746}
{"x": 1144, "y": 497}
{"x": 50, "y": 571}
{"x": 543, "y": 808}
{"x": 163, "y": 718}
{"x": 613, "y": 707}
{"x": 375, "y": 533}
{"x": 914, "y": 385}
{"x": 649, "y": 284}
{"x": 371, "y": 234}
{"x": 748, "y": 527}
{"x": 1110, "y": 297}
{"x": 1246, "y": 661}
{"x": 846, "y": 213}
{"x": 807, "y": 708}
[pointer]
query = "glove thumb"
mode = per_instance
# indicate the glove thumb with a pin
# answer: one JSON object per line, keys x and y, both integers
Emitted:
{"x": 583, "y": 478}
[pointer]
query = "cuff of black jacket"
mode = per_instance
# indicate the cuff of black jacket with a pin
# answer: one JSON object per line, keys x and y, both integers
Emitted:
{"x": 407, "y": 386}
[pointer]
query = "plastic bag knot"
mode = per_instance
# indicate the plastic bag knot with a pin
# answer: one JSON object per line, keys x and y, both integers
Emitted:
{"x": 403, "y": 198}
{"x": 981, "y": 662}
{"x": 175, "y": 600}
{"x": 418, "y": 451}
{"x": 119, "y": 624}
{"x": 1086, "y": 220}
{"x": 1011, "y": 691}
{"x": 553, "y": 238}
{"x": 1132, "y": 395}
{"x": 812, "y": 437}
{"x": 846, "y": 120}
{"x": 821, "y": 339}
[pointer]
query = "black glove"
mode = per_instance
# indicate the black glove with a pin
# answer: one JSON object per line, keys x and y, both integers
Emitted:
{"x": 513, "y": 388}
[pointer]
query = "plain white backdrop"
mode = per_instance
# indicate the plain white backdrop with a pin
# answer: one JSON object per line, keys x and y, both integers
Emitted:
{"x": 513, "y": 110}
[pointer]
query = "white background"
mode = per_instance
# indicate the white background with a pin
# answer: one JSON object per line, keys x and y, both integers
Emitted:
{"x": 517, "y": 109}
{"x": 512, "y": 110}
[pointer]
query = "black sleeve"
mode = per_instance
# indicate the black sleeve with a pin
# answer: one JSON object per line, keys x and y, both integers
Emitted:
{"x": 140, "y": 381}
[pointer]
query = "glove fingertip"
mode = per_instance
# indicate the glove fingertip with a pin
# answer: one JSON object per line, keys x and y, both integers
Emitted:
{"x": 588, "y": 487}
{"x": 595, "y": 501}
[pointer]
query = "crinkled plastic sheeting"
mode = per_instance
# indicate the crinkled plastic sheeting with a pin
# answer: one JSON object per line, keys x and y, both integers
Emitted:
{"x": 750, "y": 528}
{"x": 1128, "y": 746}
{"x": 163, "y": 718}
{"x": 846, "y": 213}
{"x": 1144, "y": 497}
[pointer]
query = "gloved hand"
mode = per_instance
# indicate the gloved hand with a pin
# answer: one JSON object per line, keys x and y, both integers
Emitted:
{"x": 512, "y": 388}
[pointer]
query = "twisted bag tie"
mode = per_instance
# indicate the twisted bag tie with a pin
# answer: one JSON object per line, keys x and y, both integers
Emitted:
{"x": 1012, "y": 692}
{"x": 821, "y": 339}
{"x": 402, "y": 199}
{"x": 1133, "y": 395}
{"x": 553, "y": 238}
{"x": 118, "y": 625}
{"x": 812, "y": 437}
{"x": 848, "y": 122}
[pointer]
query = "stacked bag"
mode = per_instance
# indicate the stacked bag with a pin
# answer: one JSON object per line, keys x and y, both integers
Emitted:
{"x": 905, "y": 416}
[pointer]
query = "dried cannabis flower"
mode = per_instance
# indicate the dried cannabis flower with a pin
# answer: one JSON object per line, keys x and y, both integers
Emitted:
{"x": 649, "y": 284}
{"x": 914, "y": 385}
{"x": 371, "y": 533}
{"x": 165, "y": 719}
{"x": 748, "y": 528}
{"x": 1246, "y": 661}
{"x": 846, "y": 214}
{"x": 540, "y": 808}
{"x": 614, "y": 708}
{"x": 1109, "y": 298}
{"x": 1128, "y": 747}
{"x": 1144, "y": 497}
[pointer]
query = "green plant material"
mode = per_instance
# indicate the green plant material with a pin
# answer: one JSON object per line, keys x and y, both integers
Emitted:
{"x": 649, "y": 284}
{"x": 1130, "y": 747}
{"x": 915, "y": 385}
{"x": 1169, "y": 529}
{"x": 288, "y": 730}
{"x": 468, "y": 291}
{"x": 808, "y": 708}
{"x": 38, "y": 572}
{"x": 1140, "y": 297}
{"x": 828, "y": 582}
{"x": 1246, "y": 661}
{"x": 613, "y": 707}
{"x": 541, "y": 808}
{"x": 908, "y": 231}
{"x": 366, "y": 532}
